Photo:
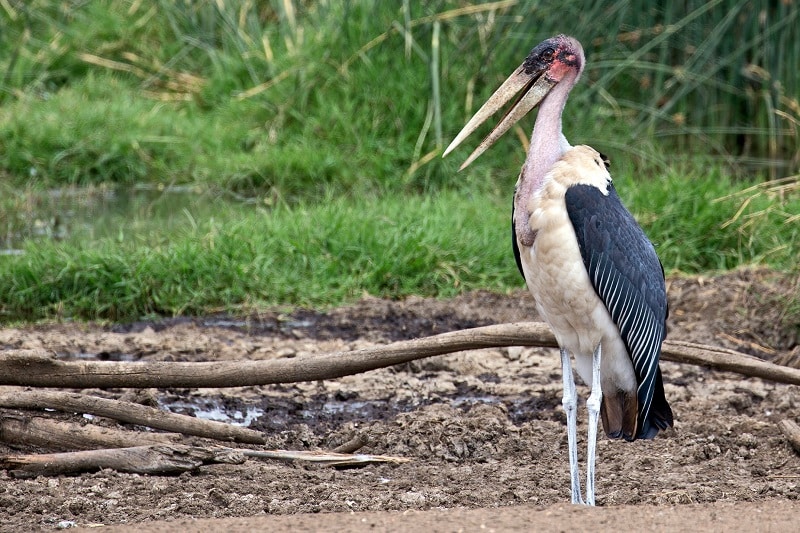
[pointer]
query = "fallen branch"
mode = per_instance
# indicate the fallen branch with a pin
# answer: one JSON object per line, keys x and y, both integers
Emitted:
{"x": 728, "y": 360}
{"x": 157, "y": 459}
{"x": 37, "y": 368}
{"x": 131, "y": 413}
{"x": 169, "y": 459}
{"x": 56, "y": 435}
{"x": 792, "y": 432}
{"x": 323, "y": 457}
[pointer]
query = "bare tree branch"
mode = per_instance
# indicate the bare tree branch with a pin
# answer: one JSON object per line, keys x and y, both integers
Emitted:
{"x": 37, "y": 368}
{"x": 323, "y": 457}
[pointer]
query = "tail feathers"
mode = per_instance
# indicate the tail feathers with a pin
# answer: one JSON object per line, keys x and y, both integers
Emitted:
{"x": 620, "y": 414}
{"x": 660, "y": 411}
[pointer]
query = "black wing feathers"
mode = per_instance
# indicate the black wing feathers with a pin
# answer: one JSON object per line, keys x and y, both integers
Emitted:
{"x": 514, "y": 242}
{"x": 627, "y": 276}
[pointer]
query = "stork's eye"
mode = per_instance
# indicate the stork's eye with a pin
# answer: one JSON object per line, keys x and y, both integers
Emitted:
{"x": 547, "y": 54}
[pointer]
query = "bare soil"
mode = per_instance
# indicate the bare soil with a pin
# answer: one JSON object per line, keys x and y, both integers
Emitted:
{"x": 484, "y": 429}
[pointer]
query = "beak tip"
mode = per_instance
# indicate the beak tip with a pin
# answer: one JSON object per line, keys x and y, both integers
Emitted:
{"x": 452, "y": 146}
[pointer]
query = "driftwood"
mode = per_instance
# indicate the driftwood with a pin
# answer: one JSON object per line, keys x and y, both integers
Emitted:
{"x": 131, "y": 413}
{"x": 37, "y": 368}
{"x": 57, "y": 435}
{"x": 792, "y": 432}
{"x": 157, "y": 459}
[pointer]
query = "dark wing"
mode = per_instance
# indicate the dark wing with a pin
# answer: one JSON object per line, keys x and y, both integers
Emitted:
{"x": 628, "y": 277}
{"x": 514, "y": 242}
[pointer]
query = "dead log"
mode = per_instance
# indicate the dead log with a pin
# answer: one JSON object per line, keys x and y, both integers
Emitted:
{"x": 64, "y": 436}
{"x": 157, "y": 459}
{"x": 37, "y": 368}
{"x": 131, "y": 413}
{"x": 792, "y": 432}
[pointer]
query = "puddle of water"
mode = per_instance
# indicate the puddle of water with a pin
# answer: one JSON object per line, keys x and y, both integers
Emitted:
{"x": 224, "y": 323}
{"x": 298, "y": 324}
{"x": 470, "y": 401}
{"x": 349, "y": 407}
{"x": 212, "y": 409}
{"x": 101, "y": 212}
{"x": 103, "y": 356}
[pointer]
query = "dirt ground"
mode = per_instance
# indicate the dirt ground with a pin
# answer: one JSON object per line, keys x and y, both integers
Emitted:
{"x": 484, "y": 429}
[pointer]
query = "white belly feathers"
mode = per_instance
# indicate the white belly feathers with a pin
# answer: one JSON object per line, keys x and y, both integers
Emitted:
{"x": 555, "y": 274}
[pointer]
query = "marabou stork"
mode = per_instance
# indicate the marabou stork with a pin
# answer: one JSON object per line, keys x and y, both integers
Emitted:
{"x": 595, "y": 276}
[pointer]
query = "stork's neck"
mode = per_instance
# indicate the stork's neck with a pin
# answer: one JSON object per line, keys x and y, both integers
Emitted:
{"x": 547, "y": 146}
{"x": 548, "y": 143}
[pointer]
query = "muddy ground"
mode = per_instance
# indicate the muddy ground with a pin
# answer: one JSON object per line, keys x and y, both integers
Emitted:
{"x": 484, "y": 429}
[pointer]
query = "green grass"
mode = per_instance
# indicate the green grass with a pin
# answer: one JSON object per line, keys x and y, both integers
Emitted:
{"x": 337, "y": 249}
{"x": 331, "y": 252}
{"x": 331, "y": 116}
{"x": 361, "y": 95}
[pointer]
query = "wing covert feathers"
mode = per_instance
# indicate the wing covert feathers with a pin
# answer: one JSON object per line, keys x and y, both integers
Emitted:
{"x": 627, "y": 276}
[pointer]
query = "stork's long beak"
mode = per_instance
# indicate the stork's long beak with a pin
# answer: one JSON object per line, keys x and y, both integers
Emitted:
{"x": 534, "y": 88}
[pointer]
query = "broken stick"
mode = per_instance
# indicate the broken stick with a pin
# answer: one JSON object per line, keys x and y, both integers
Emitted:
{"x": 131, "y": 413}
{"x": 34, "y": 368}
{"x": 157, "y": 459}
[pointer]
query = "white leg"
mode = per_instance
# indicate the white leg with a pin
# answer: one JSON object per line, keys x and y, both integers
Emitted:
{"x": 593, "y": 406}
{"x": 570, "y": 403}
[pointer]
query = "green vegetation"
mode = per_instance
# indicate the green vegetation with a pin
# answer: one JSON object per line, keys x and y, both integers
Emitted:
{"x": 327, "y": 119}
{"x": 338, "y": 248}
{"x": 303, "y": 255}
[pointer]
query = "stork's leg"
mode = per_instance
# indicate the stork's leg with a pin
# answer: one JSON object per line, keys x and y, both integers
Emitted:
{"x": 570, "y": 403}
{"x": 593, "y": 406}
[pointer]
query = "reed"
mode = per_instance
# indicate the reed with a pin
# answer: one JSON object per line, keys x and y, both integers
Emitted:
{"x": 266, "y": 96}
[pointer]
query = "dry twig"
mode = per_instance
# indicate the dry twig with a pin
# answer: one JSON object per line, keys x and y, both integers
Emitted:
{"x": 356, "y": 443}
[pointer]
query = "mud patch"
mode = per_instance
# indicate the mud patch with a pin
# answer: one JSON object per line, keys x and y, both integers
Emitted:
{"x": 483, "y": 428}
